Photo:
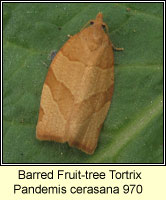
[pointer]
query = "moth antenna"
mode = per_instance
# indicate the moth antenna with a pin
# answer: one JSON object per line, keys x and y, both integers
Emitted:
{"x": 107, "y": 30}
{"x": 85, "y": 25}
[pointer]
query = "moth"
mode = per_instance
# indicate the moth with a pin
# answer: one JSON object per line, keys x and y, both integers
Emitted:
{"x": 78, "y": 89}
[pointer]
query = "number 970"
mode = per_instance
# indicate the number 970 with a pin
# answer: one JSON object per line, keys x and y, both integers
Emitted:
{"x": 132, "y": 188}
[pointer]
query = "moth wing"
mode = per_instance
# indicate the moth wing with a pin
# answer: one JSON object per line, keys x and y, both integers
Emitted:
{"x": 58, "y": 92}
{"x": 85, "y": 128}
{"x": 92, "y": 102}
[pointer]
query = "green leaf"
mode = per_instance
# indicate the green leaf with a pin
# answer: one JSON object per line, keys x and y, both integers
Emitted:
{"x": 133, "y": 129}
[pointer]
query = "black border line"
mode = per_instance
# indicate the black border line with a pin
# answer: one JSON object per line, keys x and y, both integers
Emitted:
{"x": 83, "y": 164}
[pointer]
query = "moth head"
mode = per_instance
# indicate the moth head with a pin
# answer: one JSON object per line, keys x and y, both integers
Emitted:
{"x": 99, "y": 22}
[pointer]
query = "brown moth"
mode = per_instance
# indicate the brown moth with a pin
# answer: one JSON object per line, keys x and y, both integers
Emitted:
{"x": 78, "y": 89}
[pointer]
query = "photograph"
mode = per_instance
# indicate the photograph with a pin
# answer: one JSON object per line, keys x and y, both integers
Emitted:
{"x": 83, "y": 83}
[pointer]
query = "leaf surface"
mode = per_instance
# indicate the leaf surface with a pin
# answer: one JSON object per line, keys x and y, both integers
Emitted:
{"x": 133, "y": 129}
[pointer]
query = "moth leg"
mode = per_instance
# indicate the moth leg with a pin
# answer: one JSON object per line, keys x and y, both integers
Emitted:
{"x": 116, "y": 48}
{"x": 53, "y": 54}
{"x": 69, "y": 36}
